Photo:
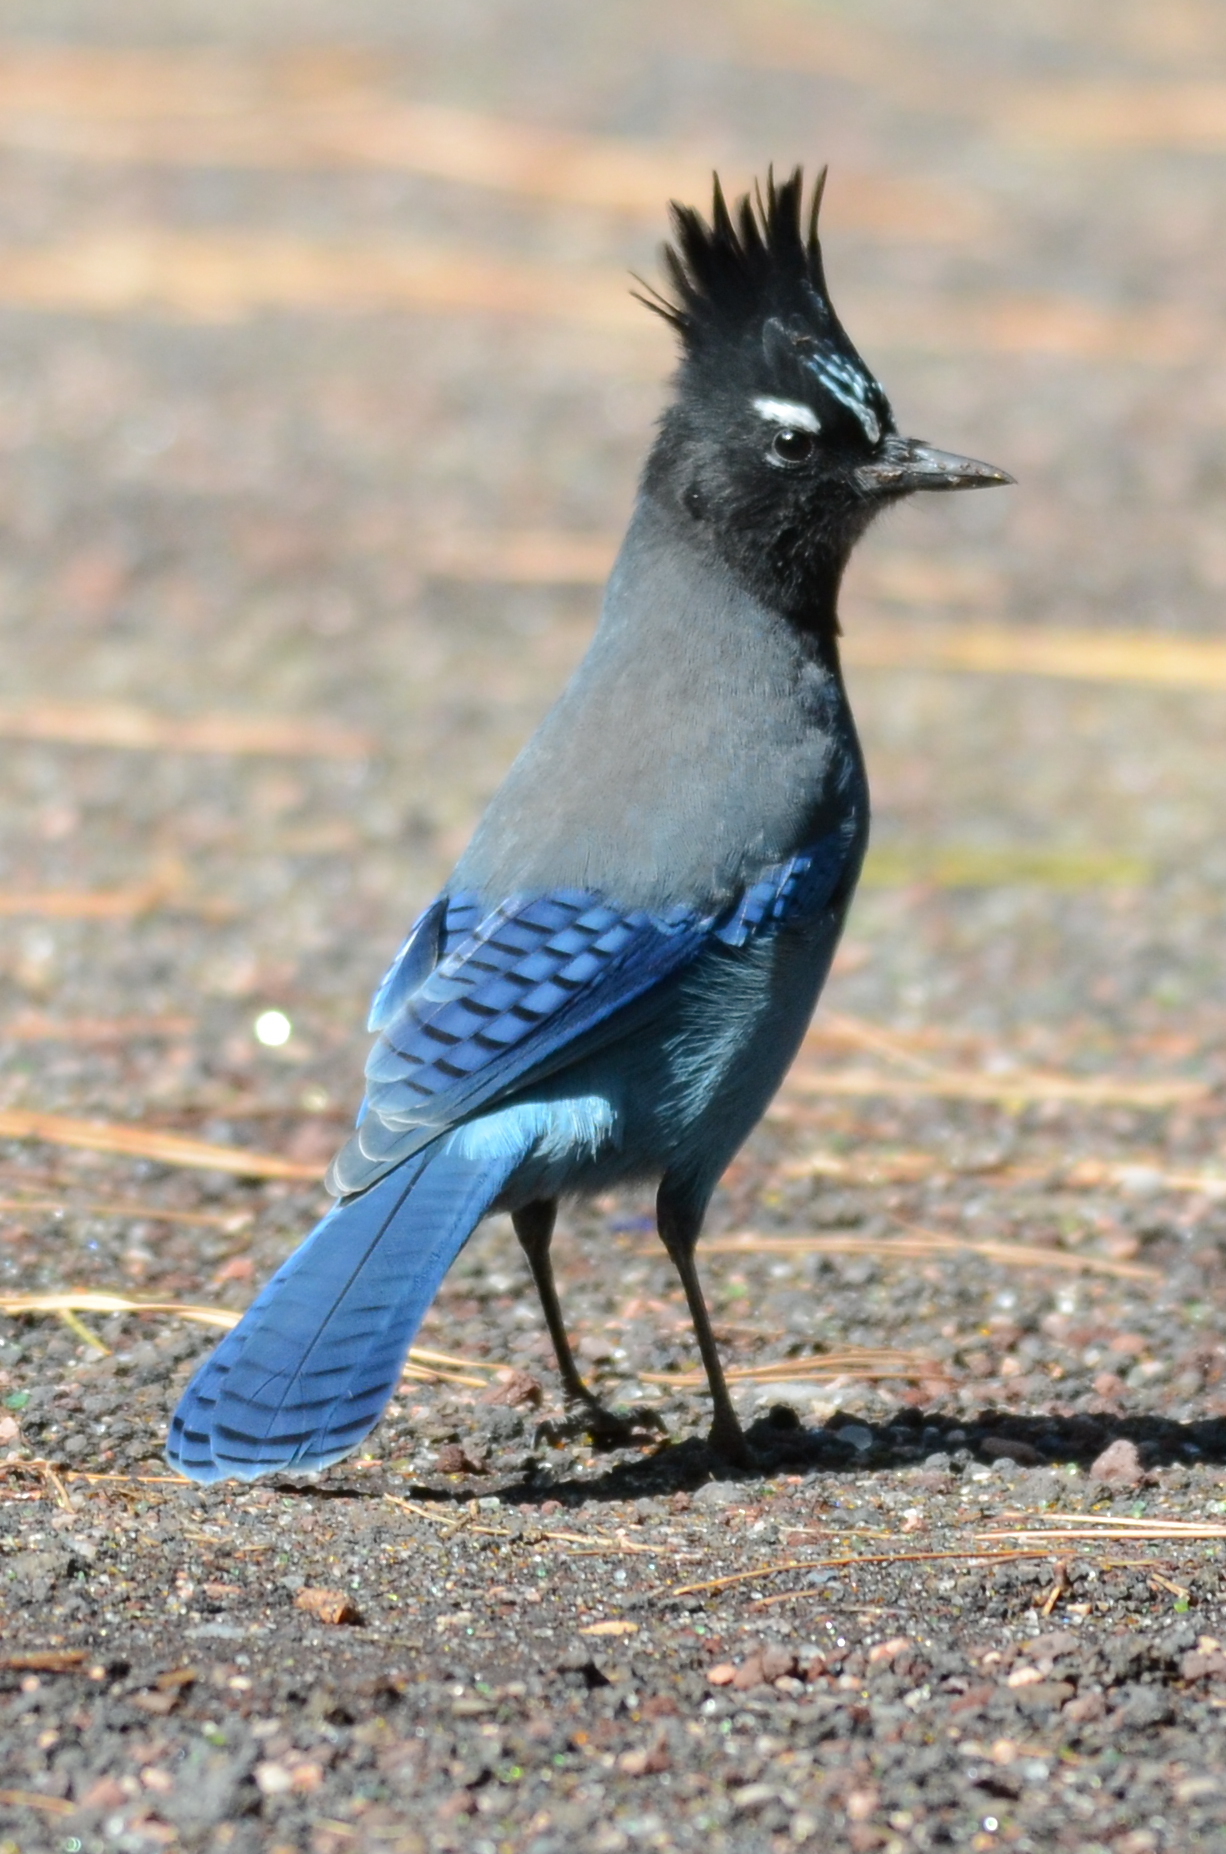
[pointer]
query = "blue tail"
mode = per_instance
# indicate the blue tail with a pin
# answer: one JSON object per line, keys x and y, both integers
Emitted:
{"x": 308, "y": 1370}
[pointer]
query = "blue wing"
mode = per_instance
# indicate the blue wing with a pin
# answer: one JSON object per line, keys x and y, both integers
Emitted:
{"x": 473, "y": 1008}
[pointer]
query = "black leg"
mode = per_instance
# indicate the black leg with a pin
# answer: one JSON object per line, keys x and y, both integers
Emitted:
{"x": 679, "y": 1227}
{"x": 534, "y": 1227}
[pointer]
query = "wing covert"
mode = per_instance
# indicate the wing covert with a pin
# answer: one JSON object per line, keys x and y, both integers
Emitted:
{"x": 476, "y": 1005}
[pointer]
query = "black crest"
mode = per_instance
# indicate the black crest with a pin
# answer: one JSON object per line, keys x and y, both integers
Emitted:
{"x": 754, "y": 275}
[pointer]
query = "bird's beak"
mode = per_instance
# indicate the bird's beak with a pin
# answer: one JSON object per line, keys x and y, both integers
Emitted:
{"x": 907, "y": 464}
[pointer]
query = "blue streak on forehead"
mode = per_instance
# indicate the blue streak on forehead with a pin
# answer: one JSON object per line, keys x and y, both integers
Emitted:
{"x": 850, "y": 385}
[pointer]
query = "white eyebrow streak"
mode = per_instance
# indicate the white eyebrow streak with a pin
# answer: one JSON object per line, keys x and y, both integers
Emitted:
{"x": 788, "y": 412}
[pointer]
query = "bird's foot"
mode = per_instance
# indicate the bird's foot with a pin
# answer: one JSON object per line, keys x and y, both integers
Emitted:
{"x": 727, "y": 1440}
{"x": 605, "y": 1428}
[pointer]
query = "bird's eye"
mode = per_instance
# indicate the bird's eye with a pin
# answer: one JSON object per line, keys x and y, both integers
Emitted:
{"x": 790, "y": 446}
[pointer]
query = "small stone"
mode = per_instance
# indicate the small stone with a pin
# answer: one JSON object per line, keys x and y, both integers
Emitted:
{"x": 1044, "y": 1695}
{"x": 454, "y": 1458}
{"x": 104, "y": 1794}
{"x": 1203, "y": 1665}
{"x": 857, "y": 1435}
{"x": 1008, "y": 1448}
{"x": 460, "y": 1802}
{"x": 1144, "y": 1708}
{"x": 273, "y": 1779}
{"x": 1085, "y": 1708}
{"x": 1119, "y": 1465}
{"x": 861, "y": 1804}
{"x": 751, "y": 1796}
{"x": 1039, "y": 1486}
{"x": 777, "y": 1661}
{"x": 748, "y": 1674}
{"x": 331, "y": 1606}
{"x": 721, "y": 1675}
{"x": 887, "y": 1651}
{"x": 1045, "y": 1650}
{"x": 645, "y": 1760}
{"x": 719, "y": 1493}
{"x": 515, "y": 1390}
{"x": 1197, "y": 1789}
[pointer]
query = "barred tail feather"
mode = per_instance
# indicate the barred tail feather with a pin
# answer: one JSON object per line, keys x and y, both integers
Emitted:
{"x": 307, "y": 1371}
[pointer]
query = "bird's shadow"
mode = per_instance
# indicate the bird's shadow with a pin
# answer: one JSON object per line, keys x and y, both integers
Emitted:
{"x": 910, "y": 1439}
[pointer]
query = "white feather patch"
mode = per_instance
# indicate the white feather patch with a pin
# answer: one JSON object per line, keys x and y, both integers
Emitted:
{"x": 788, "y": 412}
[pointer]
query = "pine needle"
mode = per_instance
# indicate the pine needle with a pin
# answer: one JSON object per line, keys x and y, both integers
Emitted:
{"x": 34, "y": 1799}
{"x": 87, "y": 1300}
{"x": 524, "y": 557}
{"x": 1110, "y": 1526}
{"x": 126, "y": 1208}
{"x": 36, "y": 1027}
{"x": 1126, "y": 1175}
{"x": 1146, "y": 657}
{"x": 426, "y": 1357}
{"x": 144, "y": 1143}
{"x": 1015, "y": 1088}
{"x": 82, "y": 1332}
{"x": 927, "y": 1244}
{"x": 66, "y": 1303}
{"x": 112, "y": 724}
{"x": 116, "y": 904}
{"x": 819, "y": 1368}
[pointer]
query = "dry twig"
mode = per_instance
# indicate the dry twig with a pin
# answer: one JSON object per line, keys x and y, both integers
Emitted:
{"x": 846, "y": 1560}
{"x": 46, "y": 1472}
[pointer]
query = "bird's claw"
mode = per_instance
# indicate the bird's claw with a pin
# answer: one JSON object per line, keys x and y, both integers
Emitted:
{"x": 605, "y": 1428}
{"x": 729, "y": 1443}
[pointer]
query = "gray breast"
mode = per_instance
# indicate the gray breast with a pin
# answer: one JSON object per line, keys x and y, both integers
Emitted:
{"x": 701, "y": 737}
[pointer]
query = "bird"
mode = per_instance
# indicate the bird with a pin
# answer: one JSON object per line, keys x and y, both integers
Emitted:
{"x": 615, "y": 979}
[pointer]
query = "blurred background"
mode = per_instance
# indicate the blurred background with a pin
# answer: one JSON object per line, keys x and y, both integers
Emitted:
{"x": 322, "y": 398}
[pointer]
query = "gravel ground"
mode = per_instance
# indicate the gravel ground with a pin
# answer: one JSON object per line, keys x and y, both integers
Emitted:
{"x": 955, "y": 1607}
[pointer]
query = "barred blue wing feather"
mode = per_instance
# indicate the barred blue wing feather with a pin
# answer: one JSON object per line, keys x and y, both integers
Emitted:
{"x": 514, "y": 994}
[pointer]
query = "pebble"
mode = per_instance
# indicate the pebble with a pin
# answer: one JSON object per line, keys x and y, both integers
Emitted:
{"x": 1119, "y": 1465}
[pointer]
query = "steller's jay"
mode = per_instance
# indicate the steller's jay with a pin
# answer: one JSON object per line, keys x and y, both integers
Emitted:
{"x": 614, "y": 981}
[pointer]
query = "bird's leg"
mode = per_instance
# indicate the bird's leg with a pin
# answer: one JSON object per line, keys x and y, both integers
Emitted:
{"x": 534, "y": 1227}
{"x": 678, "y": 1227}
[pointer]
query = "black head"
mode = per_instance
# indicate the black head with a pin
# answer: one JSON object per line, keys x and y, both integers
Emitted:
{"x": 779, "y": 441}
